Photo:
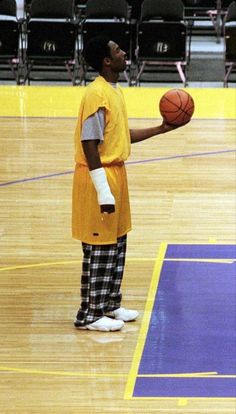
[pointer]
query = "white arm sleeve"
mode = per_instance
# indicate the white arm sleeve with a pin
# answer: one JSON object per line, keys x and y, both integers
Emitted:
{"x": 100, "y": 182}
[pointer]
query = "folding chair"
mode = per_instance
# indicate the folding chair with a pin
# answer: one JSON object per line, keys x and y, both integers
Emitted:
{"x": 198, "y": 15}
{"x": 230, "y": 42}
{"x": 80, "y": 6}
{"x": 27, "y": 4}
{"x": 161, "y": 37}
{"x": 51, "y": 38}
{"x": 10, "y": 38}
{"x": 217, "y": 16}
{"x": 108, "y": 17}
{"x": 135, "y": 8}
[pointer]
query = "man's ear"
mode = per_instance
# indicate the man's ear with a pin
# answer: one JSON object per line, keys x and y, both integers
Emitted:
{"x": 107, "y": 61}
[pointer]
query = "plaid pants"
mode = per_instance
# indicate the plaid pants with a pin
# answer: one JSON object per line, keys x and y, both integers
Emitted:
{"x": 102, "y": 273}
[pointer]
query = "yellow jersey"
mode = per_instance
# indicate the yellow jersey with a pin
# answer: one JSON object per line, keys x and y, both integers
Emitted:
{"x": 116, "y": 145}
{"x": 88, "y": 224}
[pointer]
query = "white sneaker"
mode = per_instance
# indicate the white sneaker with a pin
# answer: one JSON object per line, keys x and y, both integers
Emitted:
{"x": 104, "y": 324}
{"x": 123, "y": 314}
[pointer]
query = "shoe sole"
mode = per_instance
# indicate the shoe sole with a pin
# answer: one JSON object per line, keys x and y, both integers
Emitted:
{"x": 91, "y": 328}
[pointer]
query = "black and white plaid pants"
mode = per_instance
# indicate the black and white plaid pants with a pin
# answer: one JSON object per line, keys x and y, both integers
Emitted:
{"x": 102, "y": 273}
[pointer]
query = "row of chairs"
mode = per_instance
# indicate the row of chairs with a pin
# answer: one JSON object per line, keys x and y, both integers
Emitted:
{"x": 194, "y": 11}
{"x": 193, "y": 8}
{"x": 51, "y": 35}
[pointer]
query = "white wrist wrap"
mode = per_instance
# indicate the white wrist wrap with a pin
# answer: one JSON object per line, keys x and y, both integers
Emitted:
{"x": 100, "y": 182}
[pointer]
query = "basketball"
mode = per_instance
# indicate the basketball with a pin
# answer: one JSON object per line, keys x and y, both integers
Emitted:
{"x": 176, "y": 107}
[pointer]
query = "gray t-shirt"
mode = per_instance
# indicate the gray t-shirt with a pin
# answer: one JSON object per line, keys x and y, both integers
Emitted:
{"x": 94, "y": 126}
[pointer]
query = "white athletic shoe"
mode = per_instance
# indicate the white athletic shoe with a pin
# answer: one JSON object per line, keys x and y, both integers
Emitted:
{"x": 123, "y": 314}
{"x": 104, "y": 324}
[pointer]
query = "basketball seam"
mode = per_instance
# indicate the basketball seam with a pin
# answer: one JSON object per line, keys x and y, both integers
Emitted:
{"x": 189, "y": 108}
{"x": 174, "y": 104}
{"x": 178, "y": 94}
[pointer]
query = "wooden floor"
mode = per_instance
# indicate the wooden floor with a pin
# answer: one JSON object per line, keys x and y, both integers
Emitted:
{"x": 182, "y": 188}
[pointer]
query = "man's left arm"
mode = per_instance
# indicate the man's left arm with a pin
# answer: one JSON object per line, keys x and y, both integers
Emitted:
{"x": 138, "y": 135}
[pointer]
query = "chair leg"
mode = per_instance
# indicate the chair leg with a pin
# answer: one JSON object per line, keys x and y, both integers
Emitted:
{"x": 227, "y": 74}
{"x": 140, "y": 73}
{"x": 218, "y": 20}
{"x": 127, "y": 77}
{"x": 28, "y": 69}
{"x": 76, "y": 69}
{"x": 70, "y": 72}
{"x": 190, "y": 30}
{"x": 181, "y": 72}
{"x": 83, "y": 71}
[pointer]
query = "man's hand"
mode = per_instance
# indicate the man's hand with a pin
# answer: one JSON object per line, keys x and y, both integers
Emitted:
{"x": 169, "y": 127}
{"x": 107, "y": 208}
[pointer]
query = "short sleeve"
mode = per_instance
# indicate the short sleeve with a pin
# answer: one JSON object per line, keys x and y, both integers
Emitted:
{"x": 93, "y": 127}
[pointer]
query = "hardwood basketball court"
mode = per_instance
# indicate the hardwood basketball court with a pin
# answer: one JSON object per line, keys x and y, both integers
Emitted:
{"x": 182, "y": 189}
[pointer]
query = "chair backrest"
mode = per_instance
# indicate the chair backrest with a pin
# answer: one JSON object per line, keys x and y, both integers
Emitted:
{"x": 9, "y": 39}
{"x": 52, "y": 9}
{"x": 106, "y": 9}
{"x": 225, "y": 3}
{"x": 50, "y": 40}
{"x": 200, "y": 3}
{"x": 119, "y": 33}
{"x": 167, "y": 10}
{"x": 135, "y": 6}
{"x": 162, "y": 41}
{"x": 8, "y": 7}
{"x": 231, "y": 13}
{"x": 190, "y": 3}
{"x": 230, "y": 41}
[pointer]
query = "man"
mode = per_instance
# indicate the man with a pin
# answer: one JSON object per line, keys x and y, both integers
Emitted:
{"x": 101, "y": 211}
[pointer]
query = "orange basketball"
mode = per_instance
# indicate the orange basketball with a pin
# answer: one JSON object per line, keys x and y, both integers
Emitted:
{"x": 176, "y": 107}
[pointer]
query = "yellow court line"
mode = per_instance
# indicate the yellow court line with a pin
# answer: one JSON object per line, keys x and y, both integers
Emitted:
{"x": 212, "y": 240}
{"x": 67, "y": 262}
{"x": 62, "y": 373}
{"x": 131, "y": 259}
{"x": 44, "y": 264}
{"x": 145, "y": 322}
{"x": 108, "y": 374}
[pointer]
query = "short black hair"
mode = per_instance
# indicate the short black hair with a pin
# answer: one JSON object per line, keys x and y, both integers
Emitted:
{"x": 95, "y": 50}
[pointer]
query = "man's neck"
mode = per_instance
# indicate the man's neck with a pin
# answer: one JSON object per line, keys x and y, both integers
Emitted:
{"x": 110, "y": 77}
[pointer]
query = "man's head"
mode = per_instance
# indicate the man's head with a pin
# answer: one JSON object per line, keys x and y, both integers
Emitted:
{"x": 102, "y": 53}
